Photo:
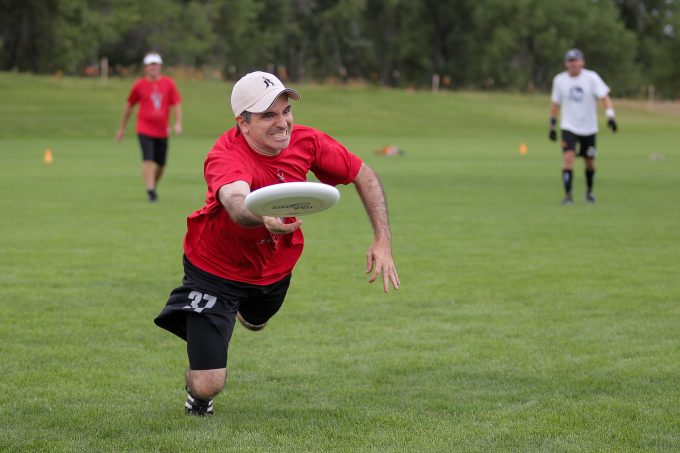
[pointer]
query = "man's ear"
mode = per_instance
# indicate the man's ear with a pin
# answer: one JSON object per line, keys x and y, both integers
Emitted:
{"x": 242, "y": 125}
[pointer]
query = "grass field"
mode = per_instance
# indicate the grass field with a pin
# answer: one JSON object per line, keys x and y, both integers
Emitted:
{"x": 521, "y": 325}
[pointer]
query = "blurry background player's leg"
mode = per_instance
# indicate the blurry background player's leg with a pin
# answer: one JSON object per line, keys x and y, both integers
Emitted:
{"x": 160, "y": 153}
{"x": 590, "y": 179}
{"x": 567, "y": 173}
{"x": 149, "y": 176}
{"x": 158, "y": 173}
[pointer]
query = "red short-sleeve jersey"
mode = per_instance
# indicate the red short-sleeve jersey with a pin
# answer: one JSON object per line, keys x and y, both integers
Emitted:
{"x": 215, "y": 244}
{"x": 155, "y": 99}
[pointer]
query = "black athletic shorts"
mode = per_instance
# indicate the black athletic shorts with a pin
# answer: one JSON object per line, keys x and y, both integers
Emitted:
{"x": 586, "y": 142}
{"x": 155, "y": 149}
{"x": 216, "y": 299}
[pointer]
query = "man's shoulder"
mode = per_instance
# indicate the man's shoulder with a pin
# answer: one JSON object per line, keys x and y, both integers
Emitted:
{"x": 227, "y": 142}
{"x": 140, "y": 82}
{"x": 167, "y": 79}
{"x": 561, "y": 80}
{"x": 591, "y": 74}
{"x": 306, "y": 135}
{"x": 165, "y": 83}
{"x": 560, "y": 76}
{"x": 302, "y": 130}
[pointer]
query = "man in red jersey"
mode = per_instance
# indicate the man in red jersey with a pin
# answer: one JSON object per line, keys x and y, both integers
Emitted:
{"x": 238, "y": 265}
{"x": 156, "y": 95}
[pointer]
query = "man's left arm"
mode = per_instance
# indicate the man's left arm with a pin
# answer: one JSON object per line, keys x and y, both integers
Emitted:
{"x": 609, "y": 111}
{"x": 379, "y": 256}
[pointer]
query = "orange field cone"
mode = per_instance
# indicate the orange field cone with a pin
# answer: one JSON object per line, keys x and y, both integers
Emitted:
{"x": 48, "y": 158}
{"x": 523, "y": 148}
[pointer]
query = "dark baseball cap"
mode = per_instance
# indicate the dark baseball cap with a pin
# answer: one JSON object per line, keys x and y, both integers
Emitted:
{"x": 573, "y": 54}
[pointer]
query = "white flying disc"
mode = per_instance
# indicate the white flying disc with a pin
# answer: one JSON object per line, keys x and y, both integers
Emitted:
{"x": 292, "y": 199}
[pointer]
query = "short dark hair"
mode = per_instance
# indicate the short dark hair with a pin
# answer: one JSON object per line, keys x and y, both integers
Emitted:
{"x": 247, "y": 116}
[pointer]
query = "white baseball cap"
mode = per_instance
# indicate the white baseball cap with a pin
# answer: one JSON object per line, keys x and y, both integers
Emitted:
{"x": 153, "y": 58}
{"x": 256, "y": 92}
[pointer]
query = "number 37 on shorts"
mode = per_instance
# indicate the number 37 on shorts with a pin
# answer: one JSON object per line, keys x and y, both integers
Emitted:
{"x": 197, "y": 298}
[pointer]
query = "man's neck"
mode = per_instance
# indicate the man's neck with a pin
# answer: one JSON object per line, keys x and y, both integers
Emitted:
{"x": 258, "y": 150}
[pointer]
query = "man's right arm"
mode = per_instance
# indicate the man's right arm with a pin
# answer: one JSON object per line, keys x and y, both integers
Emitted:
{"x": 554, "y": 110}
{"x": 233, "y": 198}
{"x": 123, "y": 121}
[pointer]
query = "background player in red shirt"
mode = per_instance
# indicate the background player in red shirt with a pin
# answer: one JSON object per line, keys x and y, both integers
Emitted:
{"x": 156, "y": 95}
{"x": 238, "y": 265}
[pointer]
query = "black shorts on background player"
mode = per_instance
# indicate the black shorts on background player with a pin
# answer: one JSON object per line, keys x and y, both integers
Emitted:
{"x": 212, "y": 301}
{"x": 155, "y": 149}
{"x": 586, "y": 142}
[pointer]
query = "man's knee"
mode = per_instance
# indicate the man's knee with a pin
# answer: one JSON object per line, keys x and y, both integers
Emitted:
{"x": 590, "y": 164}
{"x": 206, "y": 384}
{"x": 249, "y": 326}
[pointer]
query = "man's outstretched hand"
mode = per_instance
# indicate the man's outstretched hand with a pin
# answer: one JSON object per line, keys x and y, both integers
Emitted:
{"x": 379, "y": 262}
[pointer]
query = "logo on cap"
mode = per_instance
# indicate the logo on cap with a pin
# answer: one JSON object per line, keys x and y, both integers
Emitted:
{"x": 267, "y": 82}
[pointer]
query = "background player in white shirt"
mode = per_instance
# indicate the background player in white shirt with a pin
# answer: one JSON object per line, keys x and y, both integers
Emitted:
{"x": 576, "y": 92}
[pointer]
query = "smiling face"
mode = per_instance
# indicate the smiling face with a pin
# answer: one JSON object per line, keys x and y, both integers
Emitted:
{"x": 269, "y": 132}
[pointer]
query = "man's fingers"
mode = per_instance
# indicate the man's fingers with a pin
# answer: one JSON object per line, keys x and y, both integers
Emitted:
{"x": 390, "y": 276}
{"x": 286, "y": 228}
{"x": 295, "y": 225}
{"x": 369, "y": 263}
{"x": 395, "y": 279}
{"x": 380, "y": 264}
{"x": 276, "y": 226}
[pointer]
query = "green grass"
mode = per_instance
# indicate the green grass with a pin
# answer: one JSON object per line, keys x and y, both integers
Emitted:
{"x": 521, "y": 325}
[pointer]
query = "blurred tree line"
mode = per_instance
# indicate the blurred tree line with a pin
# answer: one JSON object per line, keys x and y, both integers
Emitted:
{"x": 500, "y": 44}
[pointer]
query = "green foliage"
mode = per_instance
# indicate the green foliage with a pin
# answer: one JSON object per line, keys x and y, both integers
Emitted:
{"x": 503, "y": 44}
{"x": 667, "y": 48}
{"x": 532, "y": 45}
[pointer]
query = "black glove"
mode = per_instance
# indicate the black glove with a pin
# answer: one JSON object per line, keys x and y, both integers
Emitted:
{"x": 553, "y": 133}
{"x": 611, "y": 124}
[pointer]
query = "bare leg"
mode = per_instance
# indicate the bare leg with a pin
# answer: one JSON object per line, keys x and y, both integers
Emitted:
{"x": 567, "y": 171}
{"x": 159, "y": 173}
{"x": 590, "y": 179}
{"x": 149, "y": 174}
{"x": 590, "y": 164}
{"x": 568, "y": 163}
{"x": 205, "y": 384}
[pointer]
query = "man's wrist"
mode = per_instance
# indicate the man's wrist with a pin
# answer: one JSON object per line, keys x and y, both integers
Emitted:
{"x": 383, "y": 236}
{"x": 553, "y": 122}
{"x": 610, "y": 113}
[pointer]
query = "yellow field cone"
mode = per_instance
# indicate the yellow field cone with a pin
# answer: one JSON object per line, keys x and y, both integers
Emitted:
{"x": 48, "y": 158}
{"x": 523, "y": 148}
